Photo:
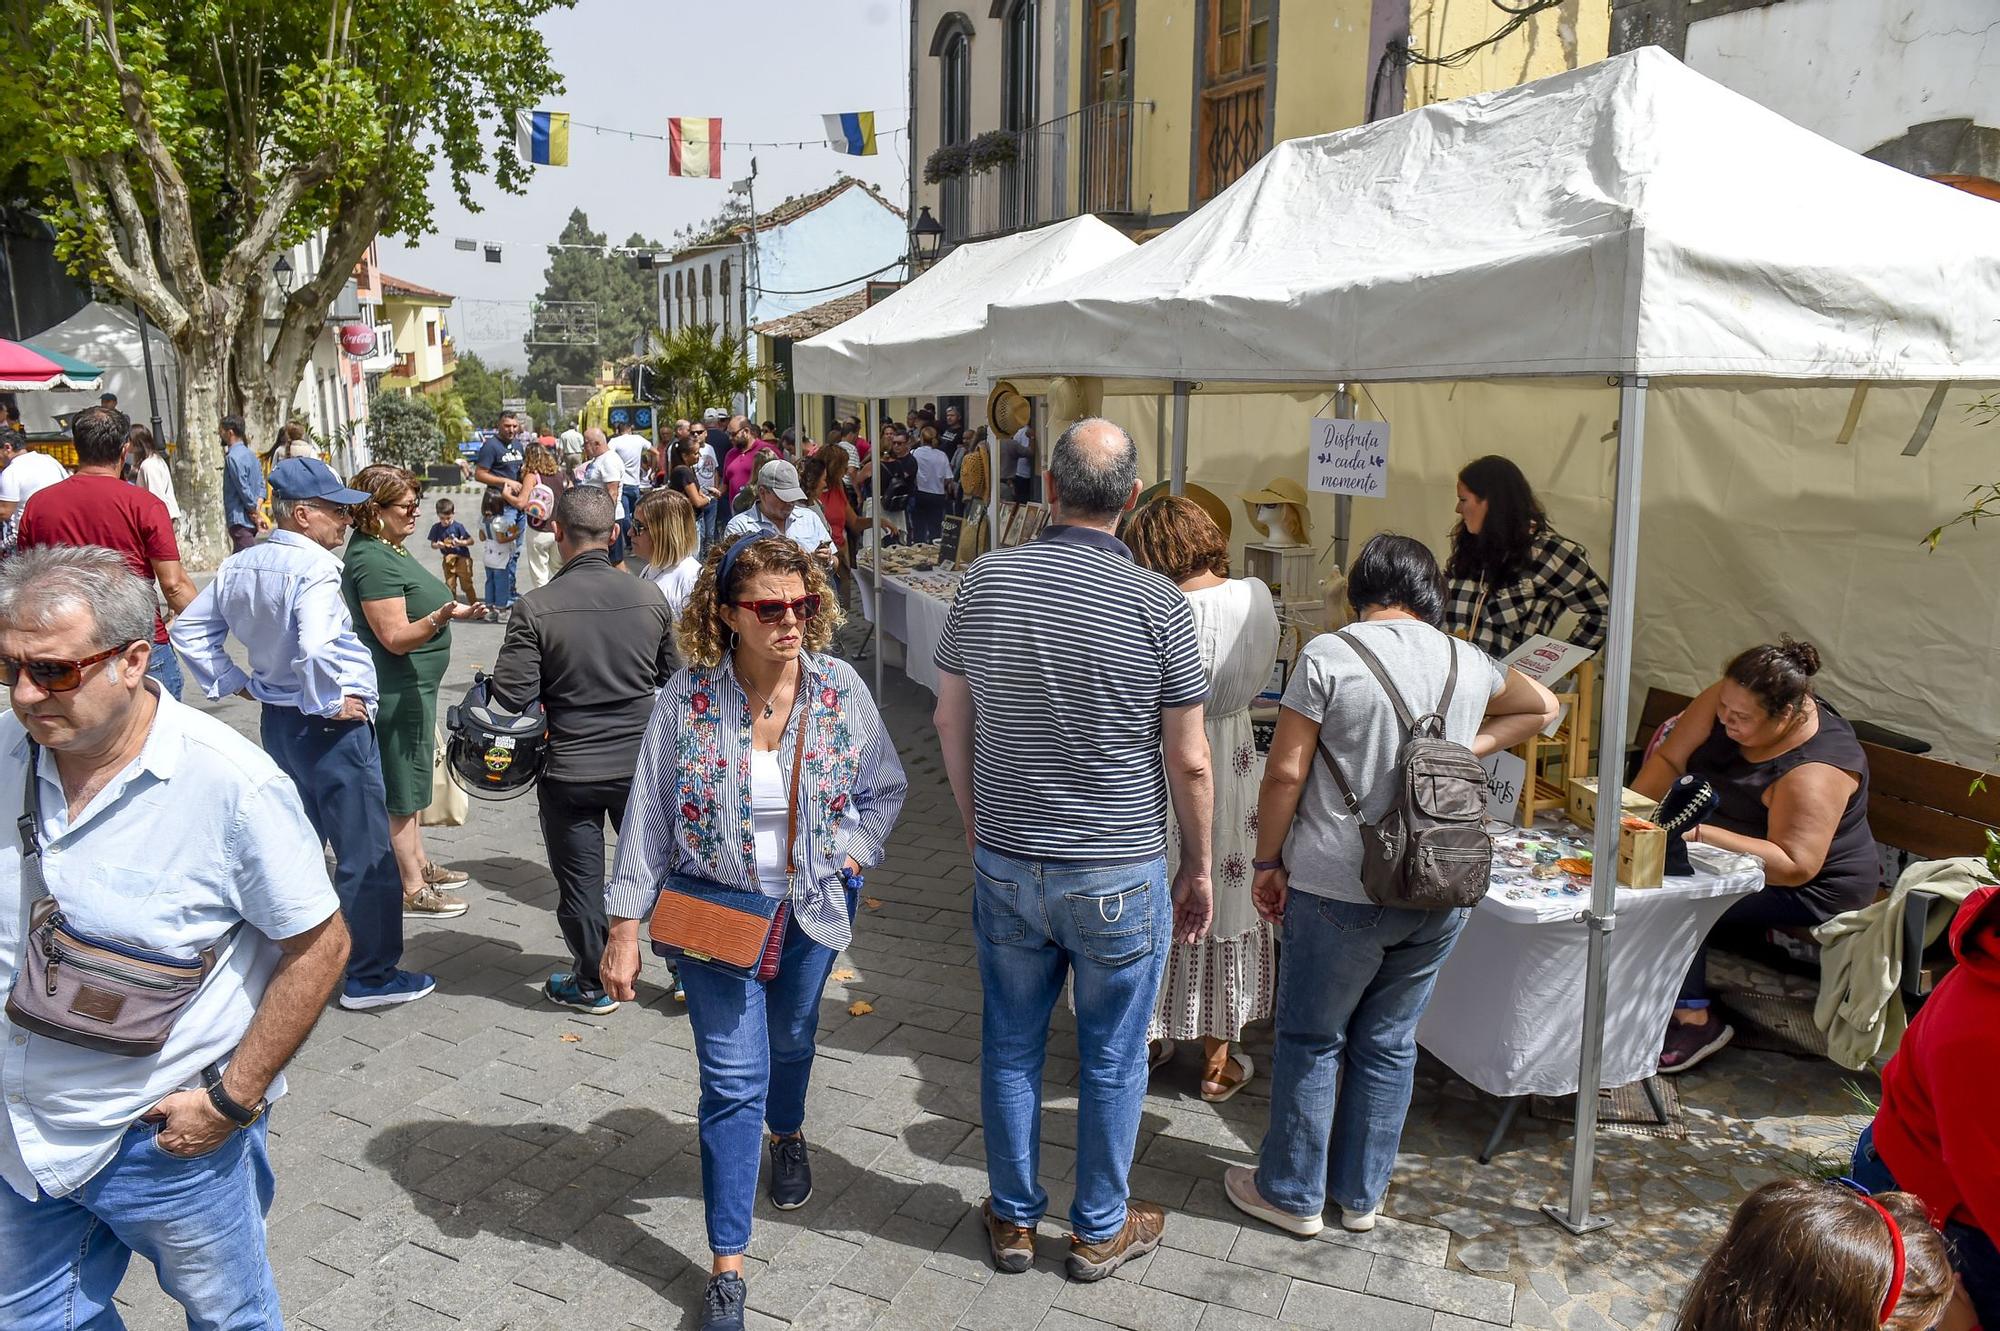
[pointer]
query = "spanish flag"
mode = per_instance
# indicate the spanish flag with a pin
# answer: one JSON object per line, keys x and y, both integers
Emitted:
{"x": 694, "y": 146}
{"x": 543, "y": 137}
{"x": 851, "y": 132}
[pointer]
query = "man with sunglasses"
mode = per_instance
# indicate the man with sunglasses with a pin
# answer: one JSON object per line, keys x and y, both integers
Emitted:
{"x": 781, "y": 510}
{"x": 317, "y": 685}
{"x": 163, "y": 834}
{"x": 594, "y": 645}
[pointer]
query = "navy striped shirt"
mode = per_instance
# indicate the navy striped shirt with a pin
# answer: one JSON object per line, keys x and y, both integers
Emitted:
{"x": 1071, "y": 651}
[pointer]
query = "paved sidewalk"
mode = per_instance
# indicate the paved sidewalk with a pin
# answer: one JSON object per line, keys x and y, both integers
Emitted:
{"x": 484, "y": 1160}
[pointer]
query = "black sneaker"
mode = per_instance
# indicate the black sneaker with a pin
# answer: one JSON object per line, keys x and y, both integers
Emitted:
{"x": 791, "y": 1173}
{"x": 722, "y": 1306}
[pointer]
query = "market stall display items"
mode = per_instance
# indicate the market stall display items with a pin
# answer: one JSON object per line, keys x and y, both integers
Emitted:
{"x": 1691, "y": 802}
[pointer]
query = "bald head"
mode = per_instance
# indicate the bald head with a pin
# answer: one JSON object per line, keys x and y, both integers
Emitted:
{"x": 594, "y": 442}
{"x": 1094, "y": 471}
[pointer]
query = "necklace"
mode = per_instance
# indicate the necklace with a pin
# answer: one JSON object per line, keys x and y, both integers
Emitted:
{"x": 769, "y": 710}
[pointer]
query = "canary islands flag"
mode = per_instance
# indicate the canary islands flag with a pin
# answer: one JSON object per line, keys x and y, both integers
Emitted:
{"x": 543, "y": 137}
{"x": 852, "y": 132}
{"x": 694, "y": 146}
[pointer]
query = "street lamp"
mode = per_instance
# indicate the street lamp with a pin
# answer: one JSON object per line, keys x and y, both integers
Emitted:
{"x": 925, "y": 236}
{"x": 282, "y": 270}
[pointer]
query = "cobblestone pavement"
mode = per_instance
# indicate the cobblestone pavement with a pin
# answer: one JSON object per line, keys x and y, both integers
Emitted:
{"x": 486, "y": 1161}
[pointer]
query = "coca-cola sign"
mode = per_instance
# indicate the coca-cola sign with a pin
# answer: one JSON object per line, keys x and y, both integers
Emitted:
{"x": 357, "y": 339}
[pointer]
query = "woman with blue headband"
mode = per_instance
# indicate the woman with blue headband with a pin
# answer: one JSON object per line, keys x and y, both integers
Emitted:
{"x": 765, "y": 770}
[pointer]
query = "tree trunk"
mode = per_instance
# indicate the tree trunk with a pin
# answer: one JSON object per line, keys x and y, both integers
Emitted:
{"x": 197, "y": 462}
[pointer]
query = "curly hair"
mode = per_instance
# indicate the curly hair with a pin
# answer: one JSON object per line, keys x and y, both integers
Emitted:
{"x": 385, "y": 485}
{"x": 1174, "y": 536}
{"x": 541, "y": 459}
{"x": 705, "y": 638}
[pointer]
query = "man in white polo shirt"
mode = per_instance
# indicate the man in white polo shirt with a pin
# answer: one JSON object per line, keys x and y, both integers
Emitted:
{"x": 103, "y": 1155}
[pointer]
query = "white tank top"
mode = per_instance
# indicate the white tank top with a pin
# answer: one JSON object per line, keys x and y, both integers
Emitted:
{"x": 767, "y": 817}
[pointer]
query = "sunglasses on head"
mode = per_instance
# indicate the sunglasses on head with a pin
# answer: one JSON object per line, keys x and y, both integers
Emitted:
{"x": 53, "y": 676}
{"x": 773, "y": 612}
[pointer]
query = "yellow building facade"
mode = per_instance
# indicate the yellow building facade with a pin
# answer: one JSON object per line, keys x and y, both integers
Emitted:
{"x": 1140, "y": 111}
{"x": 426, "y": 359}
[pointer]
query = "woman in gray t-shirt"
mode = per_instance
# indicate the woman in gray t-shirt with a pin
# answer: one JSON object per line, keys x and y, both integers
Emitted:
{"x": 1354, "y": 977}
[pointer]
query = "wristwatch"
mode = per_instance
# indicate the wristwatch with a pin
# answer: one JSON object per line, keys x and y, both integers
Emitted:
{"x": 211, "y": 1080}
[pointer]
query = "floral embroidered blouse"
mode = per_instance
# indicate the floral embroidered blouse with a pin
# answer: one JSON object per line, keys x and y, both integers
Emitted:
{"x": 690, "y": 809}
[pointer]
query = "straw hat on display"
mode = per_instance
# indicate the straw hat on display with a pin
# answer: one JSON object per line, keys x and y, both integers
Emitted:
{"x": 1292, "y": 524}
{"x": 1006, "y": 410}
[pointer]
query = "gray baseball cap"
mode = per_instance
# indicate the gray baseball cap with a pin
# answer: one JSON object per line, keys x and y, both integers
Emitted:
{"x": 781, "y": 479}
{"x": 712, "y": 415}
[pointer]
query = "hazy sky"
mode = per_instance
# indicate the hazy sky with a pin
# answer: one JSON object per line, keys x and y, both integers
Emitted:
{"x": 769, "y": 68}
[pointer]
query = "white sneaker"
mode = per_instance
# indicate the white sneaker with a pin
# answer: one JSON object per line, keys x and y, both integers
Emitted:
{"x": 1239, "y": 1182}
{"x": 1357, "y": 1222}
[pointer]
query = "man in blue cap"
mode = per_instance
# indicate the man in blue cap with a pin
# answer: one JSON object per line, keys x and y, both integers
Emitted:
{"x": 281, "y": 599}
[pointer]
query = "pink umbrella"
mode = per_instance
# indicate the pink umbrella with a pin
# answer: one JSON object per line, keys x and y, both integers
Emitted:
{"x": 25, "y": 370}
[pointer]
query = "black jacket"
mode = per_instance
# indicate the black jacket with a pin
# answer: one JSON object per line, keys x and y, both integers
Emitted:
{"x": 594, "y": 645}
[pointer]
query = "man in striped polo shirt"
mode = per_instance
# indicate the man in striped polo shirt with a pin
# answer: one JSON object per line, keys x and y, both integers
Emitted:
{"x": 1067, "y": 671}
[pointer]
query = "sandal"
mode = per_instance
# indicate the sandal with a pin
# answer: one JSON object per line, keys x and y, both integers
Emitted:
{"x": 1225, "y": 1087}
{"x": 1158, "y": 1053}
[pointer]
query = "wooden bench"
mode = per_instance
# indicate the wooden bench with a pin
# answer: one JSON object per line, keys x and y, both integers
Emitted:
{"x": 1924, "y": 808}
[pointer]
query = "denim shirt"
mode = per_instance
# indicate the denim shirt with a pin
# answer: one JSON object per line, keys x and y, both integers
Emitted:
{"x": 690, "y": 811}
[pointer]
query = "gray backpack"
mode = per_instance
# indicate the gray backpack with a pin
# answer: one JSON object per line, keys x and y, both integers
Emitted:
{"x": 1430, "y": 851}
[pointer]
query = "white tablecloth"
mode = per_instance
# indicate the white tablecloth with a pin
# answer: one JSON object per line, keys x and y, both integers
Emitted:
{"x": 912, "y": 617}
{"x": 1507, "y": 1014}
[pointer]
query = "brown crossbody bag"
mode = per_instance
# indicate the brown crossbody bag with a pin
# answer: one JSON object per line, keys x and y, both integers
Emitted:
{"x": 81, "y": 989}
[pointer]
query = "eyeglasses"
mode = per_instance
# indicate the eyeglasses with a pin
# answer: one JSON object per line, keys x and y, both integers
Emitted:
{"x": 638, "y": 527}
{"x": 773, "y": 612}
{"x": 410, "y": 507}
{"x": 63, "y": 676}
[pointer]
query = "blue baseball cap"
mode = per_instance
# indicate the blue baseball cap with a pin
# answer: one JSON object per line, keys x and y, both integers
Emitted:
{"x": 309, "y": 478}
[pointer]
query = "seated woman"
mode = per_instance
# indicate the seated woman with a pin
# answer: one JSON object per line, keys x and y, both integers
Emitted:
{"x": 1510, "y": 576}
{"x": 1793, "y": 782}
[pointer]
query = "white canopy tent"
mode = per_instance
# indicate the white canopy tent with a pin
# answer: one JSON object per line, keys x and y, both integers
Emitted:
{"x": 1634, "y": 221}
{"x": 930, "y": 336}
{"x": 107, "y": 336}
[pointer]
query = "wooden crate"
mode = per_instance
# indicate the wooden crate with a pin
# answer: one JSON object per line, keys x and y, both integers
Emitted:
{"x": 1291, "y": 571}
{"x": 1642, "y": 853}
{"x": 1583, "y": 802}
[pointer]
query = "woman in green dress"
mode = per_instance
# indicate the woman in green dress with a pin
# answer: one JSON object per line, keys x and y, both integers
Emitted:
{"x": 403, "y": 615}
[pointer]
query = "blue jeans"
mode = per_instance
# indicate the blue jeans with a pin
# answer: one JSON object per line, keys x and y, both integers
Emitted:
{"x": 165, "y": 668}
{"x": 1110, "y": 927}
{"x": 337, "y": 767}
{"x": 1973, "y": 1253}
{"x": 1353, "y": 982}
{"x": 200, "y": 1222}
{"x": 754, "y": 1043}
{"x": 500, "y": 586}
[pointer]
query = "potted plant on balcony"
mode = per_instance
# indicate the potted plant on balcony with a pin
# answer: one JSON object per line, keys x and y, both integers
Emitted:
{"x": 947, "y": 163}
{"x": 995, "y": 148}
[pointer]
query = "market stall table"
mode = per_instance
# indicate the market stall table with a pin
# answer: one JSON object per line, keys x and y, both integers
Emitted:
{"x": 1508, "y": 1006}
{"x": 914, "y": 609}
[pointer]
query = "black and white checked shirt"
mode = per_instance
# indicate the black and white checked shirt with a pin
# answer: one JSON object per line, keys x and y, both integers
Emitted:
{"x": 1556, "y": 578}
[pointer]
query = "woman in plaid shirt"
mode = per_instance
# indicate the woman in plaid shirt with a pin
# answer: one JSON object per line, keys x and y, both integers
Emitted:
{"x": 1510, "y": 575}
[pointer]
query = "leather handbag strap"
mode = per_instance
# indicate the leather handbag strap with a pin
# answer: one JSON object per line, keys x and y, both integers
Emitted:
{"x": 30, "y": 828}
{"x": 792, "y": 799}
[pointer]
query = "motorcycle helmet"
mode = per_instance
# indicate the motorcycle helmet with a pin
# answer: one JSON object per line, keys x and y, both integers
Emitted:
{"x": 494, "y": 754}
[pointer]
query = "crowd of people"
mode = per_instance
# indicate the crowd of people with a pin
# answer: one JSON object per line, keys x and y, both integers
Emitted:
{"x": 670, "y": 615}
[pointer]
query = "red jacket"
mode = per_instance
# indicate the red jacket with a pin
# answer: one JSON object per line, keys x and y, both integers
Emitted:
{"x": 1938, "y": 1129}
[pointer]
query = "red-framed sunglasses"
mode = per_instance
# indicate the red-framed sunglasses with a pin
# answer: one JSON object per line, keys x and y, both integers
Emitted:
{"x": 773, "y": 612}
{"x": 54, "y": 676}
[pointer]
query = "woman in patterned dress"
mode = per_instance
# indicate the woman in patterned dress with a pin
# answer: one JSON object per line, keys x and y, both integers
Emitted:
{"x": 1212, "y": 989}
{"x": 758, "y": 713}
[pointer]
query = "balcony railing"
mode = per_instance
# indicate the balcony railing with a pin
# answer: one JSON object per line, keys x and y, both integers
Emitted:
{"x": 1075, "y": 164}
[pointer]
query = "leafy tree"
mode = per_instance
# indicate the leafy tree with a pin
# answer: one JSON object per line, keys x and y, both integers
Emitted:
{"x": 697, "y": 367}
{"x": 454, "y": 424}
{"x": 1985, "y": 499}
{"x": 483, "y": 387}
{"x": 181, "y": 147}
{"x": 403, "y": 431}
{"x": 582, "y": 269}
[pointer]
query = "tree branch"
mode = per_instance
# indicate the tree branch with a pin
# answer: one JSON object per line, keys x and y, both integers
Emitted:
{"x": 357, "y": 221}
{"x": 141, "y": 279}
{"x": 170, "y": 192}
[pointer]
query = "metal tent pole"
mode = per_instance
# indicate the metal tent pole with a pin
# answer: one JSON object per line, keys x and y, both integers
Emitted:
{"x": 874, "y": 415}
{"x": 1343, "y": 505}
{"x": 1603, "y": 913}
{"x": 993, "y": 487}
{"x": 1179, "y": 476}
